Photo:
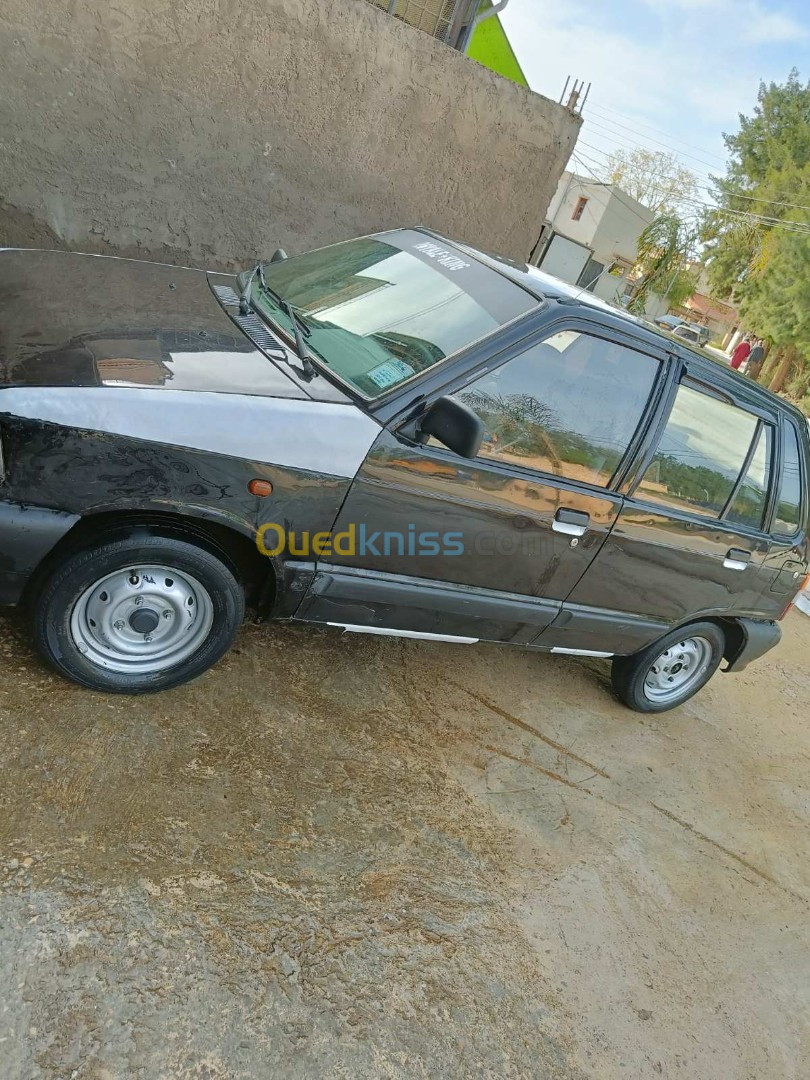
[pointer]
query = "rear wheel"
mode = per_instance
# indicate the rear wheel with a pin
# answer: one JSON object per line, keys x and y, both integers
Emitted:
{"x": 671, "y": 670}
{"x": 138, "y": 614}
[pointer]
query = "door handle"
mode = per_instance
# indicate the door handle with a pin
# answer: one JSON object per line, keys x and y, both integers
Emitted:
{"x": 571, "y": 522}
{"x": 737, "y": 559}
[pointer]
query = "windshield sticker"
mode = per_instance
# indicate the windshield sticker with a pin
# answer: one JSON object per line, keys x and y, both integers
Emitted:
{"x": 389, "y": 373}
{"x": 442, "y": 256}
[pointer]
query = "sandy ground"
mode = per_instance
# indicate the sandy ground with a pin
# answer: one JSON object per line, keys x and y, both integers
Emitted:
{"x": 359, "y": 857}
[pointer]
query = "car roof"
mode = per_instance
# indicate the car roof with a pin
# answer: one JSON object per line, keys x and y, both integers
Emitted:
{"x": 546, "y": 286}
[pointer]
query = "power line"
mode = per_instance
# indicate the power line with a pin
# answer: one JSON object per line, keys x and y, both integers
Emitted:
{"x": 680, "y": 153}
{"x": 616, "y": 192}
{"x": 599, "y": 108}
{"x": 641, "y": 123}
{"x": 712, "y": 181}
{"x": 607, "y": 155}
{"x": 736, "y": 195}
{"x": 786, "y": 225}
{"x": 619, "y": 144}
{"x": 676, "y": 194}
{"x": 759, "y": 198}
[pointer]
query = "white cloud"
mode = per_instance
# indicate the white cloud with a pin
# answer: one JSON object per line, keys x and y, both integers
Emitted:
{"x": 771, "y": 27}
{"x": 687, "y": 66}
{"x": 687, "y": 5}
{"x": 750, "y": 21}
{"x": 741, "y": 9}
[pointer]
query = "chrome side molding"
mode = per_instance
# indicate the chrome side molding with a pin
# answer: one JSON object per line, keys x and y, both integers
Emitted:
{"x": 580, "y": 652}
{"x": 384, "y": 631}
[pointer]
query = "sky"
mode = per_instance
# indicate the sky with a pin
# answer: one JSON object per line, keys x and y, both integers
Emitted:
{"x": 672, "y": 72}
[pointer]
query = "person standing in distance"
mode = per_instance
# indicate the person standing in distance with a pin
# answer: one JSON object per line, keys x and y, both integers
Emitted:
{"x": 756, "y": 358}
{"x": 741, "y": 351}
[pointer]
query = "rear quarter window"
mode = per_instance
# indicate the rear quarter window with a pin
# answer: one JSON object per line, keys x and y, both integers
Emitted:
{"x": 701, "y": 454}
{"x": 748, "y": 505}
{"x": 789, "y": 503}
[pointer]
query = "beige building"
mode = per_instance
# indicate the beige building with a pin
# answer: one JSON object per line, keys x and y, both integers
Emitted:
{"x": 590, "y": 236}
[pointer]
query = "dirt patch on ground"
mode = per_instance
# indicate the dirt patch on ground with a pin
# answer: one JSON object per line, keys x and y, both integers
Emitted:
{"x": 350, "y": 856}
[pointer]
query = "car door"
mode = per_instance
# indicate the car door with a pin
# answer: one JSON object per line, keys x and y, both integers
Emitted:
{"x": 787, "y": 560}
{"x": 428, "y": 542}
{"x": 690, "y": 539}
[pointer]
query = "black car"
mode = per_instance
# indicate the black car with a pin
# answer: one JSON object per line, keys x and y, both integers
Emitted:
{"x": 396, "y": 435}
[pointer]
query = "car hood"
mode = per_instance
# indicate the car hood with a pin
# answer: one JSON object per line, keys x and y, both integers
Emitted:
{"x": 87, "y": 320}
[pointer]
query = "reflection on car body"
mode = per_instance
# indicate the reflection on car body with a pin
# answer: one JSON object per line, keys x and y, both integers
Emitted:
{"x": 616, "y": 493}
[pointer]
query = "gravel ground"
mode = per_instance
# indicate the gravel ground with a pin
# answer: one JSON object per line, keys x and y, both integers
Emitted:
{"x": 362, "y": 857}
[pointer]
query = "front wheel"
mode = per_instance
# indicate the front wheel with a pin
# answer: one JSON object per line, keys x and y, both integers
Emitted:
{"x": 671, "y": 670}
{"x": 138, "y": 614}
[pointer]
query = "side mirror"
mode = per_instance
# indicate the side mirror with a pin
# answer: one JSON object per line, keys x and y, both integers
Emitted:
{"x": 455, "y": 426}
{"x": 279, "y": 255}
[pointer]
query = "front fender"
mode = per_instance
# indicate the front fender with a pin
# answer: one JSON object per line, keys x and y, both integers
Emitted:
{"x": 27, "y": 535}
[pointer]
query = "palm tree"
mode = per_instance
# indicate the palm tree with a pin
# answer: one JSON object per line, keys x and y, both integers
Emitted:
{"x": 664, "y": 248}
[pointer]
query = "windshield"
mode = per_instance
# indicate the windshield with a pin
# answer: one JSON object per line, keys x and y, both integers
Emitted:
{"x": 381, "y": 309}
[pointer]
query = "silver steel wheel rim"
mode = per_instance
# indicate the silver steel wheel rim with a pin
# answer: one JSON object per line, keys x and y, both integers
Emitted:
{"x": 142, "y": 620}
{"x": 678, "y": 670}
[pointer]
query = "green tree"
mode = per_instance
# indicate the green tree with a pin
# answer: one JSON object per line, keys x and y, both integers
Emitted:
{"x": 665, "y": 248}
{"x": 758, "y": 244}
{"x": 682, "y": 287}
{"x": 776, "y": 300}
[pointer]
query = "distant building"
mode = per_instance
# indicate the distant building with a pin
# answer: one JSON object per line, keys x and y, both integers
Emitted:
{"x": 722, "y": 318}
{"x": 590, "y": 236}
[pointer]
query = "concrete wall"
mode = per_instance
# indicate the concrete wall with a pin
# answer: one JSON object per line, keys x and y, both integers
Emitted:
{"x": 209, "y": 131}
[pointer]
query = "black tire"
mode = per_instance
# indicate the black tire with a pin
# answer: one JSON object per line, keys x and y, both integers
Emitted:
{"x": 69, "y": 580}
{"x": 629, "y": 673}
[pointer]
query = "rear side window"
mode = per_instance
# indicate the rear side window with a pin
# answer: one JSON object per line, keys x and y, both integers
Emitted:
{"x": 568, "y": 406}
{"x": 748, "y": 505}
{"x": 788, "y": 509}
{"x": 701, "y": 454}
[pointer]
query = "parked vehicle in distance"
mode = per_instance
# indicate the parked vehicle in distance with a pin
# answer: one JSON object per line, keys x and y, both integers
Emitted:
{"x": 690, "y": 334}
{"x": 395, "y": 435}
{"x": 667, "y": 322}
{"x": 694, "y": 333}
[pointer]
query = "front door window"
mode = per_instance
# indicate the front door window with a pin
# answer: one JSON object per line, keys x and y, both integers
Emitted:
{"x": 567, "y": 407}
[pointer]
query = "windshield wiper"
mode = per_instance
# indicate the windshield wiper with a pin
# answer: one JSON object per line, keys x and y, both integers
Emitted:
{"x": 244, "y": 295}
{"x": 300, "y": 328}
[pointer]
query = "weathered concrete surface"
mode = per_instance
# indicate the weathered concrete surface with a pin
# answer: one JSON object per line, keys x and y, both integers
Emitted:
{"x": 209, "y": 131}
{"x": 355, "y": 857}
